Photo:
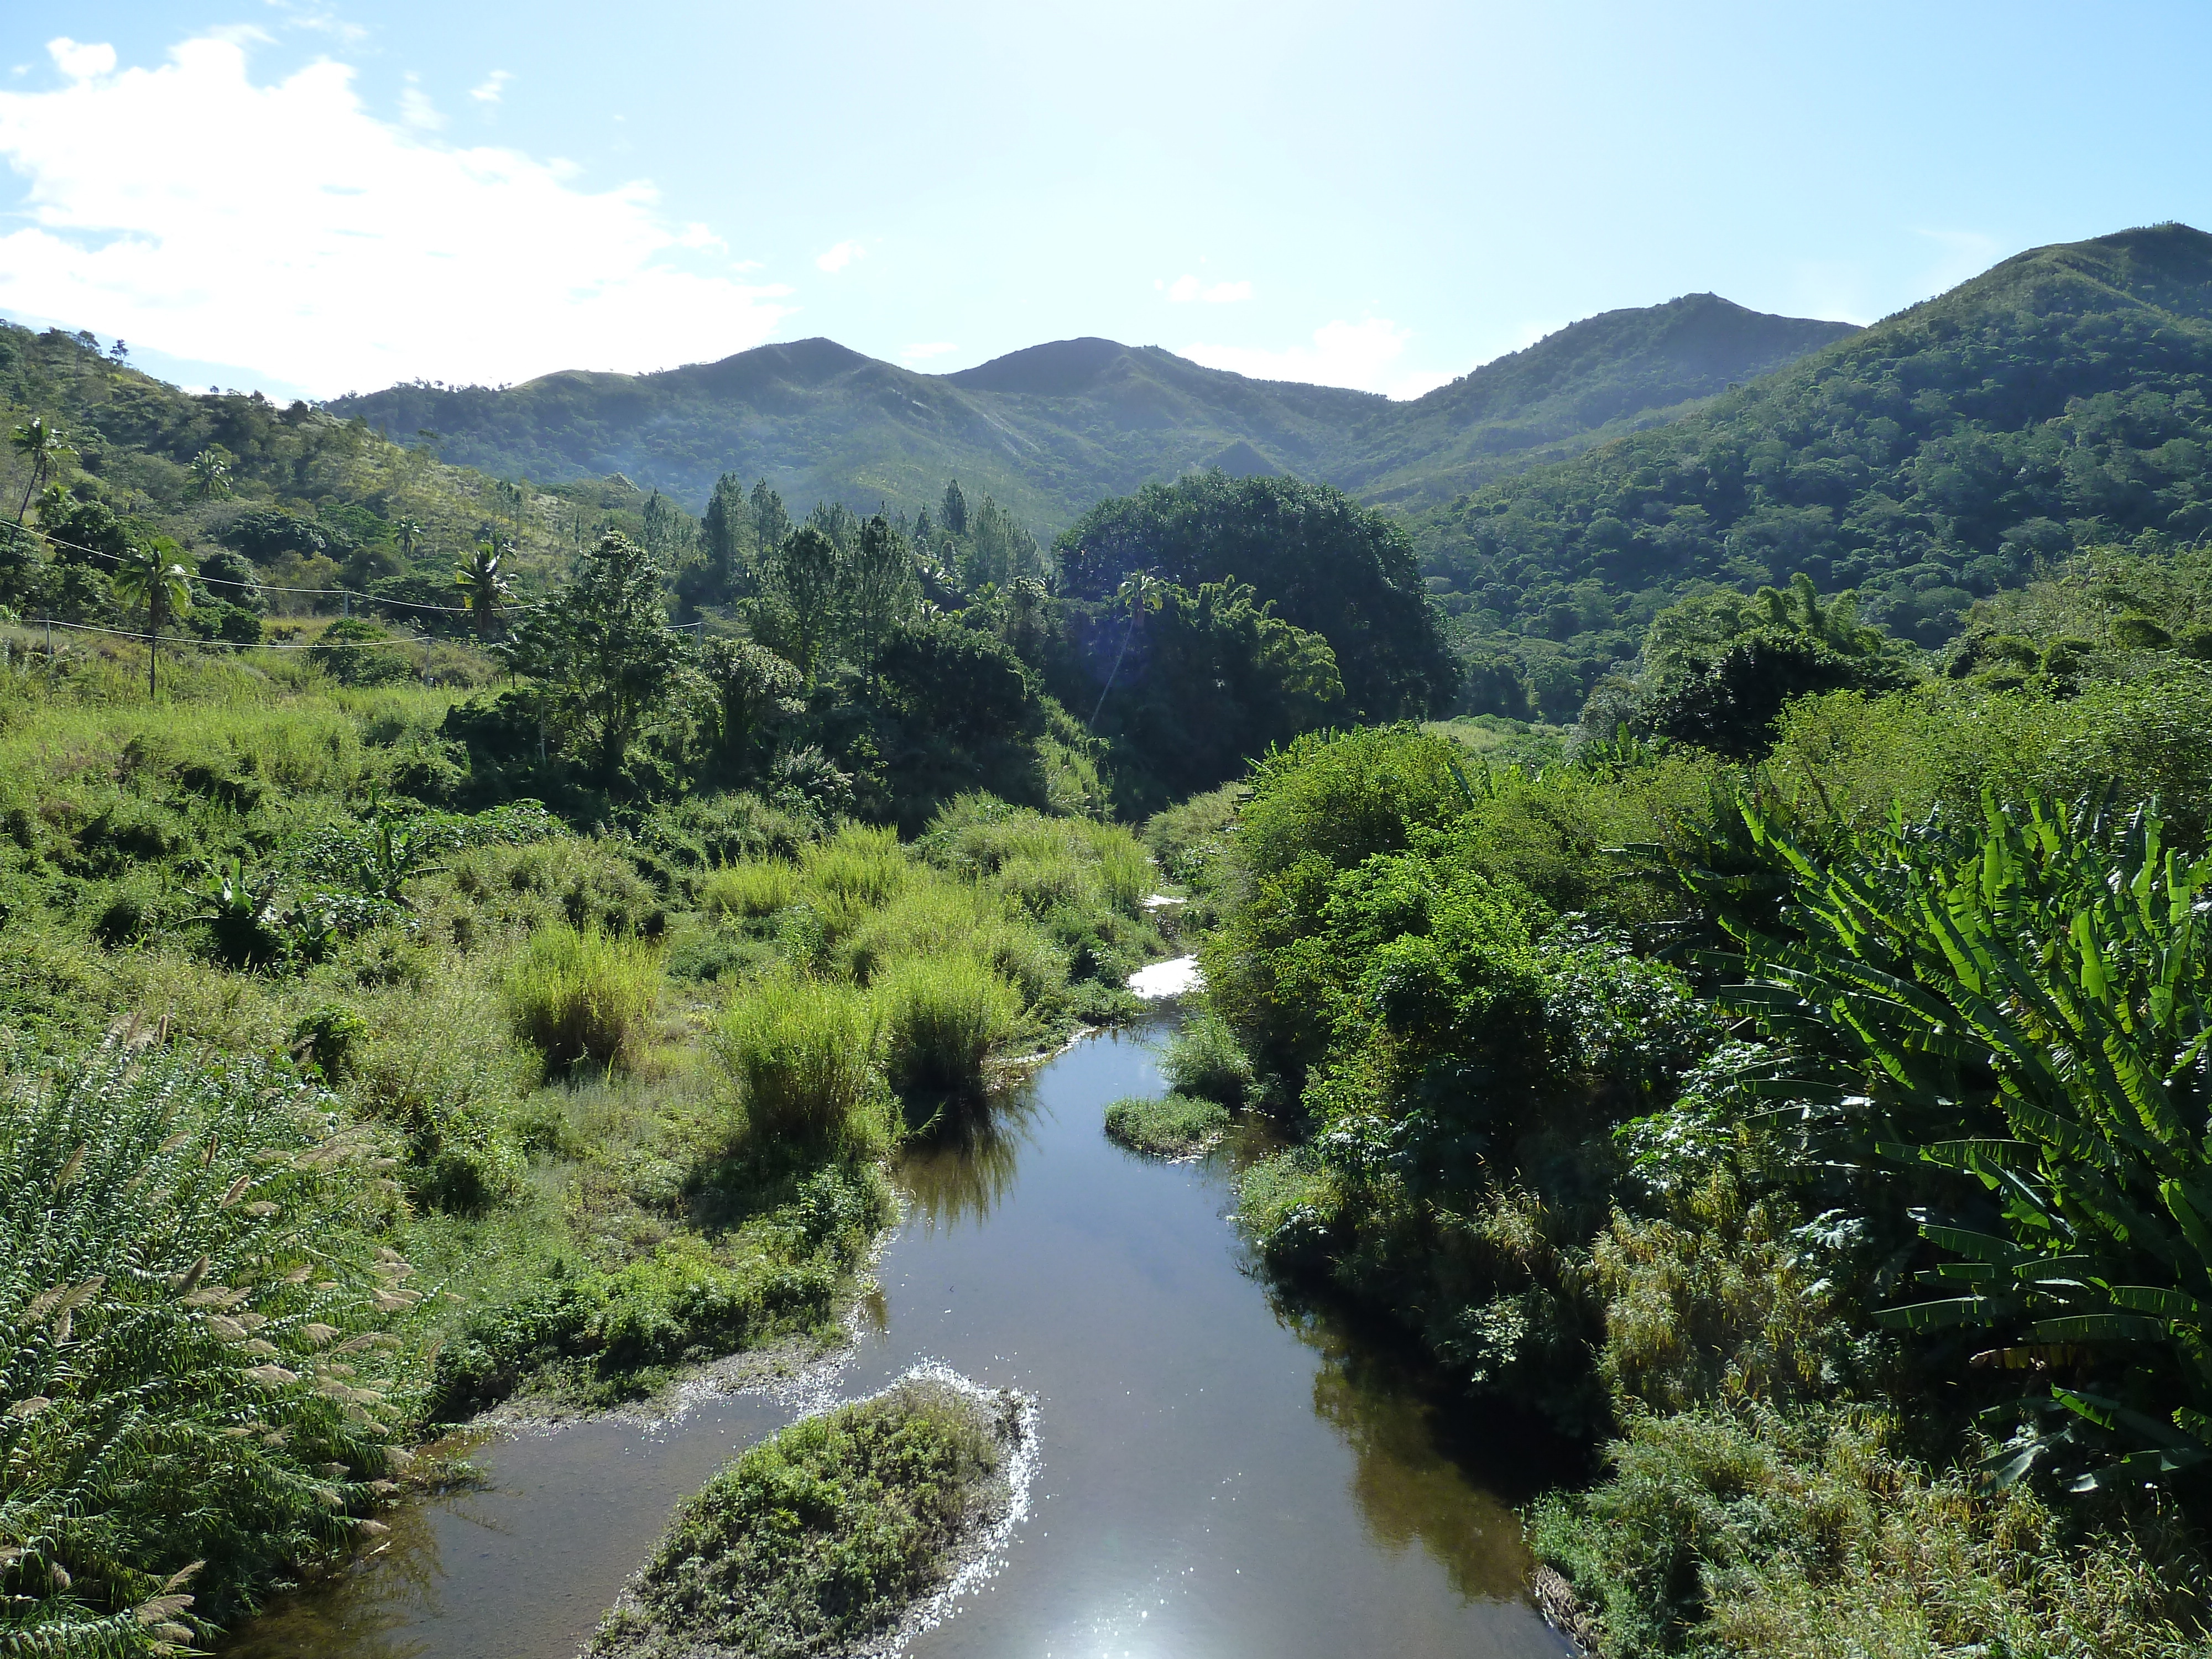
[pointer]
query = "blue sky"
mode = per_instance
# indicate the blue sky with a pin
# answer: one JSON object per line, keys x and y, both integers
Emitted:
{"x": 322, "y": 197}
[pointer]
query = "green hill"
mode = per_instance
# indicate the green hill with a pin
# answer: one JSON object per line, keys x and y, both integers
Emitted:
{"x": 2055, "y": 402}
{"x": 1049, "y": 430}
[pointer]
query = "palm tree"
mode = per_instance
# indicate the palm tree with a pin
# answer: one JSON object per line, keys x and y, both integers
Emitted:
{"x": 1139, "y": 592}
{"x": 153, "y": 576}
{"x": 44, "y": 449}
{"x": 484, "y": 587}
{"x": 408, "y": 531}
{"x": 210, "y": 470}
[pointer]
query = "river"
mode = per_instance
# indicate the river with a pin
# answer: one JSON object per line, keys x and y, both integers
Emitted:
{"x": 1223, "y": 1475}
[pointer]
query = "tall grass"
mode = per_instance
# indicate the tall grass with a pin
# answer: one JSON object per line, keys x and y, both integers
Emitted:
{"x": 941, "y": 1016}
{"x": 1044, "y": 861}
{"x": 803, "y": 1051}
{"x": 585, "y": 995}
{"x": 750, "y": 888}
{"x": 189, "y": 1309}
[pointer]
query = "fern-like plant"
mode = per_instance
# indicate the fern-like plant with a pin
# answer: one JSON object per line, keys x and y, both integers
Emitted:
{"x": 194, "y": 1386}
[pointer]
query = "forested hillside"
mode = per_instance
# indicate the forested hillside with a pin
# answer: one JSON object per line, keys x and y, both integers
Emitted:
{"x": 1050, "y": 430}
{"x": 2055, "y": 402}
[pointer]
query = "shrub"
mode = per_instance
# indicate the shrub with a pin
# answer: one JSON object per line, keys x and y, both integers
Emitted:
{"x": 756, "y": 887}
{"x": 182, "y": 1263}
{"x": 941, "y": 1016}
{"x": 1206, "y": 1060}
{"x": 1178, "y": 1126}
{"x": 1291, "y": 1206}
{"x": 578, "y": 996}
{"x": 804, "y": 1053}
{"x": 1792, "y": 1537}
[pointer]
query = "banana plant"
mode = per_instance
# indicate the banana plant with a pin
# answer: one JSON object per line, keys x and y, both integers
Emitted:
{"x": 2023, "y": 1003}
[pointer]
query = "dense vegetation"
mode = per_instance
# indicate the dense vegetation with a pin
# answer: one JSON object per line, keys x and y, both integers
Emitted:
{"x": 818, "y": 1539}
{"x": 1814, "y": 1106}
{"x": 2056, "y": 402}
{"x": 334, "y": 1115}
{"x": 1050, "y": 430}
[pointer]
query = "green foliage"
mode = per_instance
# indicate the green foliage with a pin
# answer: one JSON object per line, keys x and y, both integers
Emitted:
{"x": 819, "y": 1537}
{"x": 1719, "y": 669}
{"x": 580, "y": 996}
{"x": 1335, "y": 569}
{"x": 1175, "y": 1125}
{"x": 941, "y": 1016}
{"x": 804, "y": 1052}
{"x": 2022, "y": 1001}
{"x": 749, "y": 890}
{"x": 189, "y": 1282}
{"x": 604, "y": 653}
{"x": 1752, "y": 1532}
{"x": 1205, "y": 1060}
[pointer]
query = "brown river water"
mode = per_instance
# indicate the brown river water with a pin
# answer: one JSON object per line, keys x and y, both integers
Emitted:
{"x": 1223, "y": 1475}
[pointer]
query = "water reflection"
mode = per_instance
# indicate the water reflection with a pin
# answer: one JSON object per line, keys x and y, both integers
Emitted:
{"x": 967, "y": 1167}
{"x": 1412, "y": 1485}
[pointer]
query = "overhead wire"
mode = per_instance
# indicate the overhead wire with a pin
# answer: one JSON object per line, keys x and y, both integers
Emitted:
{"x": 321, "y": 593}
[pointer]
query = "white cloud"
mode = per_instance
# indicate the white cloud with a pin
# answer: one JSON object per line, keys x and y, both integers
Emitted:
{"x": 416, "y": 110}
{"x": 80, "y": 63}
{"x": 835, "y": 259}
{"x": 487, "y": 91}
{"x": 1186, "y": 288}
{"x": 925, "y": 351}
{"x": 352, "y": 254}
{"x": 1362, "y": 355}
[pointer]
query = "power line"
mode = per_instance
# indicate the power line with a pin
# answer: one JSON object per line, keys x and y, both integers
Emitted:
{"x": 322, "y": 592}
{"x": 234, "y": 645}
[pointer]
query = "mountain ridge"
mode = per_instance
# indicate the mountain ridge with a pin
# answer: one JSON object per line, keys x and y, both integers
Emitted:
{"x": 1050, "y": 429}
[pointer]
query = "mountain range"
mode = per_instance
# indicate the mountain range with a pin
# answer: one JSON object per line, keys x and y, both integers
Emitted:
{"x": 1051, "y": 429}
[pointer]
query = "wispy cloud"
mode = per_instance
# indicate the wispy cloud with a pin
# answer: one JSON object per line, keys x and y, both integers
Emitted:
{"x": 487, "y": 91}
{"x": 1185, "y": 288}
{"x": 835, "y": 259}
{"x": 1363, "y": 355}
{"x": 416, "y": 110}
{"x": 355, "y": 252}
{"x": 80, "y": 63}
{"x": 925, "y": 351}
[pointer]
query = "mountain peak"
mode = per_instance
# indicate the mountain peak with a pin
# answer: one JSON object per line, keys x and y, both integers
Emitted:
{"x": 1059, "y": 368}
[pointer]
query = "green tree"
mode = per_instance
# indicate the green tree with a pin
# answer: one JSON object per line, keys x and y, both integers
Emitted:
{"x": 409, "y": 531}
{"x": 771, "y": 524}
{"x": 954, "y": 510}
{"x": 723, "y": 531}
{"x": 154, "y": 578}
{"x": 1138, "y": 595}
{"x": 210, "y": 470}
{"x": 44, "y": 450}
{"x": 879, "y": 587}
{"x": 604, "y": 652}
{"x": 484, "y": 587}
{"x": 749, "y": 689}
{"x": 806, "y": 570}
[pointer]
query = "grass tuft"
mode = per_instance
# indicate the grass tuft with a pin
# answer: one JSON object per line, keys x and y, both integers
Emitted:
{"x": 804, "y": 1053}
{"x": 577, "y": 996}
{"x": 749, "y": 890}
{"x": 941, "y": 1017}
{"x": 1178, "y": 1126}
